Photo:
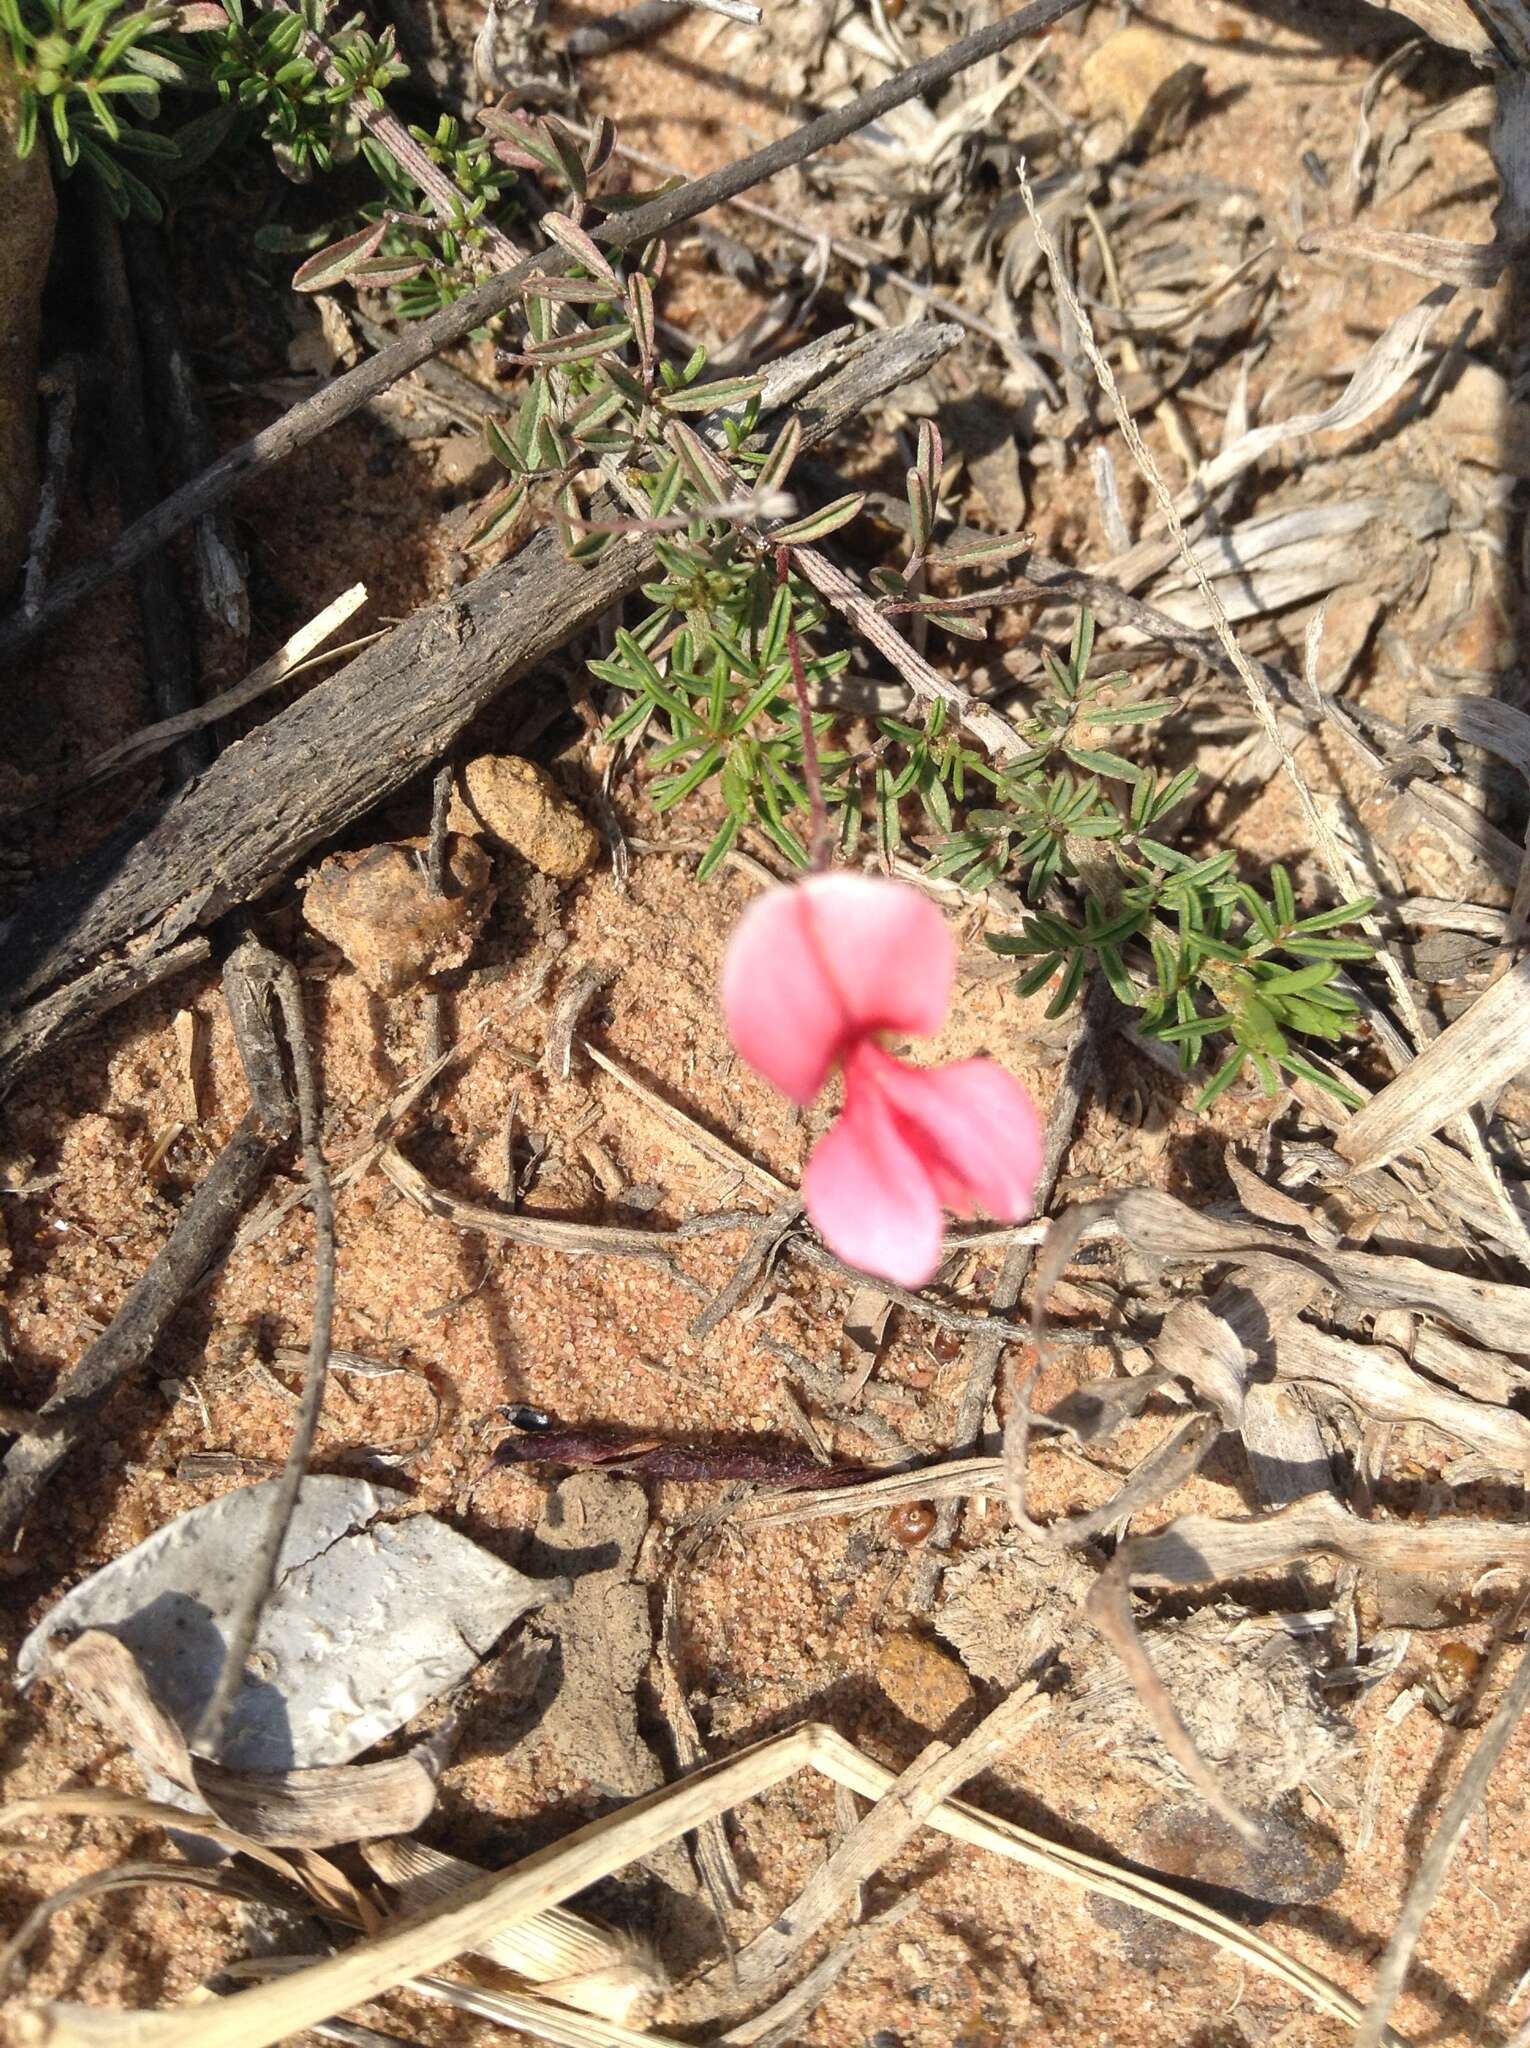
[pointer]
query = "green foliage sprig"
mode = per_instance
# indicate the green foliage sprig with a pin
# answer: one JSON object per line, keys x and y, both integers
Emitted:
{"x": 705, "y": 672}
{"x": 91, "y": 74}
{"x": 1199, "y": 952}
{"x": 83, "y": 70}
{"x": 260, "y": 65}
{"x": 430, "y": 259}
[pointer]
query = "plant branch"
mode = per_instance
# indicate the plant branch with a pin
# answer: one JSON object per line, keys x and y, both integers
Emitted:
{"x": 347, "y": 394}
{"x": 389, "y": 132}
{"x": 201, "y": 1231}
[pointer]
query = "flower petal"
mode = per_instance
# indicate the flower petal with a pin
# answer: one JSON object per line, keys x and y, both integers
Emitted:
{"x": 887, "y": 950}
{"x": 974, "y": 1128}
{"x": 814, "y": 966}
{"x": 783, "y": 1012}
{"x": 869, "y": 1197}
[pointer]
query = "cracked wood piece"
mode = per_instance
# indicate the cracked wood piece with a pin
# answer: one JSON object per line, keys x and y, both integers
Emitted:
{"x": 1491, "y": 1310}
{"x": 1468, "y": 1063}
{"x": 1381, "y": 1384}
{"x": 1451, "y": 22}
{"x": 1286, "y": 1456}
{"x": 324, "y": 761}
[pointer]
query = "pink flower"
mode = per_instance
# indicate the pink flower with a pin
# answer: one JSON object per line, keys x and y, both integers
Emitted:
{"x": 813, "y": 974}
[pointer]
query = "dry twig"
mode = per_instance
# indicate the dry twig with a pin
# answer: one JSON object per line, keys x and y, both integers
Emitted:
{"x": 491, "y": 1905}
{"x": 242, "y": 1627}
{"x": 201, "y": 1231}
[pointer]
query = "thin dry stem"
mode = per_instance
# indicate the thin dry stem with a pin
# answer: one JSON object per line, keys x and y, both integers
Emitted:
{"x": 243, "y": 1626}
{"x": 258, "y": 2018}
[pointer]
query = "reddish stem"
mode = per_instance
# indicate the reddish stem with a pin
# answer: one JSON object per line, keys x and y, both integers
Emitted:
{"x": 821, "y": 843}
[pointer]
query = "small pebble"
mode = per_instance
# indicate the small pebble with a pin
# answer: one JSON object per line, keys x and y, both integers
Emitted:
{"x": 923, "y": 1681}
{"x": 518, "y": 803}
{"x": 1457, "y": 1667}
{"x": 1128, "y": 76}
{"x": 379, "y": 908}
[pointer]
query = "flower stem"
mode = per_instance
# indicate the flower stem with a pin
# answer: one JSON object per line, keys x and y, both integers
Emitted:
{"x": 821, "y": 842}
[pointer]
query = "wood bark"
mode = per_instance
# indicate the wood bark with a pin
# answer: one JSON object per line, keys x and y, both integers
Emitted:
{"x": 310, "y": 771}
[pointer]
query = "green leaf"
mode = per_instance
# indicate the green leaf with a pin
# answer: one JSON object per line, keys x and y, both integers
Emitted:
{"x": 1260, "y": 912}
{"x": 1220, "y": 1081}
{"x": 1329, "y": 1083}
{"x": 818, "y": 525}
{"x": 1128, "y": 714}
{"x": 1328, "y": 949}
{"x": 1294, "y": 981}
{"x": 1343, "y": 913}
{"x": 1283, "y": 893}
{"x": 1103, "y": 762}
{"x": 1191, "y": 1031}
{"x": 667, "y": 794}
{"x": 999, "y": 548}
{"x": 1036, "y": 978}
{"x": 711, "y": 397}
{"x": 963, "y": 625}
{"x": 707, "y": 475}
{"x": 1071, "y": 982}
{"x": 380, "y": 272}
{"x": 497, "y": 517}
{"x": 1083, "y": 642}
{"x": 778, "y": 464}
{"x": 723, "y": 842}
{"x": 580, "y": 348}
{"x": 582, "y": 247}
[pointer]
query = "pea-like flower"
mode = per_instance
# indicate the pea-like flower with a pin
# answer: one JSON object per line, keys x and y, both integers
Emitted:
{"x": 815, "y": 974}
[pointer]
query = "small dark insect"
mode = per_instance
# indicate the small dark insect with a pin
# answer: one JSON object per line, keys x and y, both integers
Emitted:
{"x": 759, "y": 1460}
{"x": 911, "y": 1523}
{"x": 1315, "y": 168}
{"x": 521, "y": 1415}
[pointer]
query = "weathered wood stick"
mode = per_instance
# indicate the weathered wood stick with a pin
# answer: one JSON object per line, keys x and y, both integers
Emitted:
{"x": 308, "y": 772}
{"x": 41, "y": 1024}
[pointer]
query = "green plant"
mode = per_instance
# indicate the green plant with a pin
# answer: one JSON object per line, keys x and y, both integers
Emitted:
{"x": 1198, "y": 951}
{"x": 706, "y": 672}
{"x": 90, "y": 75}
{"x": 261, "y": 66}
{"x": 83, "y": 69}
{"x": 429, "y": 259}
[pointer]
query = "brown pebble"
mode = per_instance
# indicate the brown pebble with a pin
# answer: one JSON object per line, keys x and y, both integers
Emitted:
{"x": 518, "y": 803}
{"x": 911, "y": 1523}
{"x": 1123, "y": 75}
{"x": 380, "y": 909}
{"x": 923, "y": 1681}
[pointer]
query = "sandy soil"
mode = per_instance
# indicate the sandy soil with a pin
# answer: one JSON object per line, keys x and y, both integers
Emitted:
{"x": 776, "y": 1624}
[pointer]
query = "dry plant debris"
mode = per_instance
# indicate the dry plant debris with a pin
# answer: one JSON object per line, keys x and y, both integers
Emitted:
{"x": 1192, "y": 1513}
